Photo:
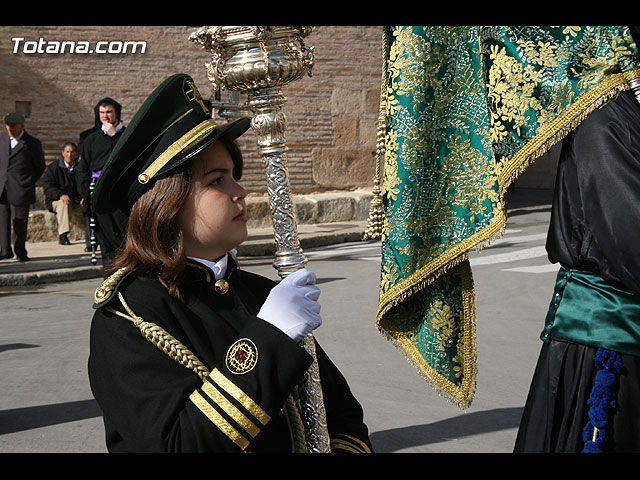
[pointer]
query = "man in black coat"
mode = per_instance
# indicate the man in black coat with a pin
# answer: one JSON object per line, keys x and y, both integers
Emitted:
{"x": 21, "y": 165}
{"x": 60, "y": 192}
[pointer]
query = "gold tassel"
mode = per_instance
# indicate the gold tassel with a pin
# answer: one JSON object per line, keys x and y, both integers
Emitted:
{"x": 376, "y": 210}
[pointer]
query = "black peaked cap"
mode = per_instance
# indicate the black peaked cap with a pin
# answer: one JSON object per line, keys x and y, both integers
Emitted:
{"x": 172, "y": 125}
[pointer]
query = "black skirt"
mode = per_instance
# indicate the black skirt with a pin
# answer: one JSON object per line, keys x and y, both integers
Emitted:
{"x": 556, "y": 411}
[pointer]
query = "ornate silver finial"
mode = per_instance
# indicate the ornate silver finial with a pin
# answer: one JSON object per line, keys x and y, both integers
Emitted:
{"x": 259, "y": 62}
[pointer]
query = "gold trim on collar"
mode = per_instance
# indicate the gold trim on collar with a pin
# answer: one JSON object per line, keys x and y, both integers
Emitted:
{"x": 197, "y": 265}
{"x": 189, "y": 139}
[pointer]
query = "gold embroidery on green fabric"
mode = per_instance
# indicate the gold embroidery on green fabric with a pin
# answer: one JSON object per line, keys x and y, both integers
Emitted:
{"x": 467, "y": 110}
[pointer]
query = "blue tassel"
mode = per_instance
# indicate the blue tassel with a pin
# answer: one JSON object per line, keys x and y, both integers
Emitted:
{"x": 602, "y": 400}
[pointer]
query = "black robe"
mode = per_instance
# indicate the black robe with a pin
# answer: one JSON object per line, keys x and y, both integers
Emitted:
{"x": 594, "y": 227}
{"x": 152, "y": 403}
{"x": 94, "y": 149}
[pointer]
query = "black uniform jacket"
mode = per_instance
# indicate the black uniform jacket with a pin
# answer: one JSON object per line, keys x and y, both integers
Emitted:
{"x": 20, "y": 168}
{"x": 596, "y": 207}
{"x": 153, "y": 403}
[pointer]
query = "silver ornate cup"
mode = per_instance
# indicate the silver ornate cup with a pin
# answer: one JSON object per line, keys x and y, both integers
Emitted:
{"x": 259, "y": 62}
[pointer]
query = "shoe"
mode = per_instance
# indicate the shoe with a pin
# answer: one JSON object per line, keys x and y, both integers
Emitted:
{"x": 23, "y": 258}
{"x": 64, "y": 240}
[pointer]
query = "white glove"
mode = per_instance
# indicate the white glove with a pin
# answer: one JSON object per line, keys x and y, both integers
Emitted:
{"x": 292, "y": 306}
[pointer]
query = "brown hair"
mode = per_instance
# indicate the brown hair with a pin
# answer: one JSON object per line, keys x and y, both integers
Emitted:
{"x": 154, "y": 244}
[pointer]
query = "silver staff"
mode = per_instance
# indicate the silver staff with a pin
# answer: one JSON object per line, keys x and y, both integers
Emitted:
{"x": 259, "y": 61}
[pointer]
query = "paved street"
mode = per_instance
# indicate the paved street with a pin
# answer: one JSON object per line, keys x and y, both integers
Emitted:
{"x": 46, "y": 405}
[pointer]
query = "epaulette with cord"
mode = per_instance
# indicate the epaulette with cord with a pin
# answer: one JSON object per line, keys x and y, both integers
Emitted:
{"x": 168, "y": 344}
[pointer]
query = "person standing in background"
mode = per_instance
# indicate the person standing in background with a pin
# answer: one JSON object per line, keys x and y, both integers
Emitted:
{"x": 21, "y": 165}
{"x": 94, "y": 149}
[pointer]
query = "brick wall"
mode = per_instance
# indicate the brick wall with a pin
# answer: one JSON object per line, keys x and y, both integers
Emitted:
{"x": 331, "y": 116}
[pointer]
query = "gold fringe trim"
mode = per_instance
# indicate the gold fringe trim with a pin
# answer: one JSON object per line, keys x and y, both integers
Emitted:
{"x": 565, "y": 123}
{"x": 427, "y": 274}
{"x": 461, "y": 396}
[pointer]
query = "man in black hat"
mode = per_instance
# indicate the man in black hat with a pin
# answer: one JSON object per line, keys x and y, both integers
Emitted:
{"x": 96, "y": 144}
{"x": 21, "y": 165}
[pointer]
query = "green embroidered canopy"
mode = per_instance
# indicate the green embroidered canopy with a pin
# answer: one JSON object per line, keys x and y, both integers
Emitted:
{"x": 465, "y": 110}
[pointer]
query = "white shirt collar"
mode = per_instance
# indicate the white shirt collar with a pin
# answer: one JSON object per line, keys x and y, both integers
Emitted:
{"x": 14, "y": 141}
{"x": 218, "y": 268}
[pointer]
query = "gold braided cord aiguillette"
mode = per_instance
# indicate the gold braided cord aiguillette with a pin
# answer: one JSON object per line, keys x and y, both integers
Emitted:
{"x": 164, "y": 341}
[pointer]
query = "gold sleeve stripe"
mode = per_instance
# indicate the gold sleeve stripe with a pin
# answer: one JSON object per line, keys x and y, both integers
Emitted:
{"x": 349, "y": 442}
{"x": 230, "y": 409}
{"x": 363, "y": 445}
{"x": 341, "y": 445}
{"x": 223, "y": 382}
{"x": 218, "y": 420}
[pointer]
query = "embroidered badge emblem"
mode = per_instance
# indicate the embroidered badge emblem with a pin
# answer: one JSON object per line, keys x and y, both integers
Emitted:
{"x": 242, "y": 356}
{"x": 195, "y": 96}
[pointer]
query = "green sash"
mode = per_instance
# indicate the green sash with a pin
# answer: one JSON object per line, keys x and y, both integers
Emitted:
{"x": 466, "y": 110}
{"x": 588, "y": 310}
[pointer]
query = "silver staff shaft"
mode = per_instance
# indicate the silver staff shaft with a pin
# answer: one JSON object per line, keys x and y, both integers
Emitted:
{"x": 259, "y": 61}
